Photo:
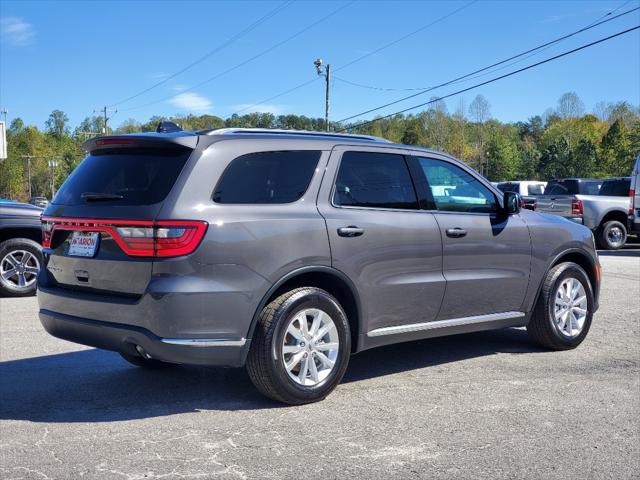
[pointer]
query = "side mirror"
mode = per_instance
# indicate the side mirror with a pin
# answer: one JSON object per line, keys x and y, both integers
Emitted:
{"x": 512, "y": 203}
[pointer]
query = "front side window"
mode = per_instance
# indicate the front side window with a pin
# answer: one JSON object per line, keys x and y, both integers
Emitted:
{"x": 455, "y": 190}
{"x": 375, "y": 180}
{"x": 267, "y": 177}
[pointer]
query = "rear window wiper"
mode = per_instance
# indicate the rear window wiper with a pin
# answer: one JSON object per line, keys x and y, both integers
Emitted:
{"x": 92, "y": 196}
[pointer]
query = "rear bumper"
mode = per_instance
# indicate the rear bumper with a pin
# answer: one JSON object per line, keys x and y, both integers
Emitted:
{"x": 229, "y": 352}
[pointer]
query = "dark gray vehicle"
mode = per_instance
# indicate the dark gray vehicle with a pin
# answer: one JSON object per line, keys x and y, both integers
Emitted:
{"x": 20, "y": 251}
{"x": 289, "y": 251}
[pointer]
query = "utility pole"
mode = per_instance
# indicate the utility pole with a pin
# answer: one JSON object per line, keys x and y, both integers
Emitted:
{"x": 104, "y": 110}
{"x": 4, "y": 112}
{"x": 53, "y": 163}
{"x": 326, "y": 73}
{"x": 29, "y": 157}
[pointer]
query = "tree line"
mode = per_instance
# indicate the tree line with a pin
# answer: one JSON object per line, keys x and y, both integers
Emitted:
{"x": 562, "y": 142}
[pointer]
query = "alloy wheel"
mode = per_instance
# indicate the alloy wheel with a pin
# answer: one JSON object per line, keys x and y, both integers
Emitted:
{"x": 310, "y": 347}
{"x": 19, "y": 269}
{"x": 570, "y": 307}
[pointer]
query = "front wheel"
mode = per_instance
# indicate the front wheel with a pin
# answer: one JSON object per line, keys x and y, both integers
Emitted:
{"x": 301, "y": 347}
{"x": 612, "y": 235}
{"x": 20, "y": 261}
{"x": 562, "y": 317}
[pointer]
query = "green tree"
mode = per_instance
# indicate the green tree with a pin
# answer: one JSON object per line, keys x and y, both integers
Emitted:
{"x": 57, "y": 123}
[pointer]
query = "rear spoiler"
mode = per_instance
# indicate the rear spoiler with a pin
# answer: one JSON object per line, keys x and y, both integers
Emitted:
{"x": 142, "y": 140}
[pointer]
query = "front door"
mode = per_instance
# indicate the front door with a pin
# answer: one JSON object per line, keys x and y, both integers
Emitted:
{"x": 379, "y": 237}
{"x": 486, "y": 255}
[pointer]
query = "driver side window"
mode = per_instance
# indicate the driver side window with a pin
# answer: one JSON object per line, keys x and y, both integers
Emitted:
{"x": 455, "y": 190}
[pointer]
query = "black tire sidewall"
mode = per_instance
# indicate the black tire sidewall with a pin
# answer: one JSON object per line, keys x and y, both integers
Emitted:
{"x": 574, "y": 271}
{"x": 20, "y": 244}
{"x": 323, "y": 301}
{"x": 604, "y": 239}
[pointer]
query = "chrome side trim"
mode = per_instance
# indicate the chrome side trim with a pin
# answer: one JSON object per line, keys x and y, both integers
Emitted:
{"x": 205, "y": 342}
{"x": 454, "y": 322}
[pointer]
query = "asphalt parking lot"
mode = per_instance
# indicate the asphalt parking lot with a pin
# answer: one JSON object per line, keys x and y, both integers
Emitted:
{"x": 485, "y": 405}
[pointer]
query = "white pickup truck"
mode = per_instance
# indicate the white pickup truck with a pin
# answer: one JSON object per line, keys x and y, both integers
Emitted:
{"x": 600, "y": 205}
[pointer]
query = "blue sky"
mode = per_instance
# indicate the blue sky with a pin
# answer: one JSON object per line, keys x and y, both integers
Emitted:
{"x": 79, "y": 56}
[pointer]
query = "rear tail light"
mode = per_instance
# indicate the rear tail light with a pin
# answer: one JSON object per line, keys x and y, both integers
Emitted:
{"x": 137, "y": 238}
{"x": 632, "y": 194}
{"x": 576, "y": 207}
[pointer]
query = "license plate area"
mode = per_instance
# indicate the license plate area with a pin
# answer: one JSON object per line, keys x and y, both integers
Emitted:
{"x": 83, "y": 244}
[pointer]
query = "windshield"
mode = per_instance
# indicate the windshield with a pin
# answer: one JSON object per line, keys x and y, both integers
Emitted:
{"x": 123, "y": 177}
{"x": 535, "y": 189}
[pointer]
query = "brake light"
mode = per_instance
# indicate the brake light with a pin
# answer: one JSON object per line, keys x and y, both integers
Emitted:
{"x": 632, "y": 194}
{"x": 576, "y": 207}
{"x": 115, "y": 141}
{"x": 137, "y": 238}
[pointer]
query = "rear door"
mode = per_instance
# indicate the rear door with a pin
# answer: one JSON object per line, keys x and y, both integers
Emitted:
{"x": 112, "y": 194}
{"x": 486, "y": 255}
{"x": 379, "y": 237}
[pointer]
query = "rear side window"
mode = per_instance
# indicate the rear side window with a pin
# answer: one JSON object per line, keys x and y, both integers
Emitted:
{"x": 375, "y": 180}
{"x": 616, "y": 188}
{"x": 267, "y": 177}
{"x": 131, "y": 177}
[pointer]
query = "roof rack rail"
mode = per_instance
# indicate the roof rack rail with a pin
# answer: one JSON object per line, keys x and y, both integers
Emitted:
{"x": 280, "y": 131}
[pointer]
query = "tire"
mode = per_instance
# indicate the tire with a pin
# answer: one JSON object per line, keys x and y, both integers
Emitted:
{"x": 147, "y": 363}
{"x": 543, "y": 328}
{"x": 13, "y": 253}
{"x": 310, "y": 378}
{"x": 612, "y": 235}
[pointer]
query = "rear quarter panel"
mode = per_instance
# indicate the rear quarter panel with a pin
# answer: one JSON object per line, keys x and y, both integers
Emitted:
{"x": 247, "y": 248}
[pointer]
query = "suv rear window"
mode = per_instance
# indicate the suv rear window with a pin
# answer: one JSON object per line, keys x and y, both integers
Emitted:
{"x": 140, "y": 176}
{"x": 267, "y": 177}
{"x": 616, "y": 188}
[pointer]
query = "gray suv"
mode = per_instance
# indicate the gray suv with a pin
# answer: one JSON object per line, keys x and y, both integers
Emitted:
{"x": 288, "y": 251}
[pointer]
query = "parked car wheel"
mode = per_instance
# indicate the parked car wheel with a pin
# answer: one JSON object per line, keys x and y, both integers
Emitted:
{"x": 148, "y": 363}
{"x": 563, "y": 313}
{"x": 301, "y": 347}
{"x": 612, "y": 235}
{"x": 20, "y": 261}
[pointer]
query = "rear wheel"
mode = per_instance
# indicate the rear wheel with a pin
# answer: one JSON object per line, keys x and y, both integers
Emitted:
{"x": 20, "y": 261}
{"x": 562, "y": 316}
{"x": 612, "y": 235}
{"x": 301, "y": 347}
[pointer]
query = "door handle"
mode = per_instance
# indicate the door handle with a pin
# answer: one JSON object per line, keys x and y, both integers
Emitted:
{"x": 350, "y": 231}
{"x": 456, "y": 232}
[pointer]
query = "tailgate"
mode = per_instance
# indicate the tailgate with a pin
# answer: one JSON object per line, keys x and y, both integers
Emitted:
{"x": 556, "y": 204}
{"x": 99, "y": 230}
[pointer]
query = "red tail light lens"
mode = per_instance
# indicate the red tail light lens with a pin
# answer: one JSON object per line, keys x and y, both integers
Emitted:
{"x": 576, "y": 207}
{"x": 137, "y": 238}
{"x": 632, "y": 194}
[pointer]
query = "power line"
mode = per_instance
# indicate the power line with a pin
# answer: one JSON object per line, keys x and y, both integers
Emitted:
{"x": 262, "y": 53}
{"x": 362, "y": 57}
{"x": 220, "y": 47}
{"x": 547, "y": 60}
{"x": 466, "y": 76}
{"x": 470, "y": 76}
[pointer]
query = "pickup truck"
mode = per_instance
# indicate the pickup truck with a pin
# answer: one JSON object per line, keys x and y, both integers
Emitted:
{"x": 600, "y": 205}
{"x": 20, "y": 250}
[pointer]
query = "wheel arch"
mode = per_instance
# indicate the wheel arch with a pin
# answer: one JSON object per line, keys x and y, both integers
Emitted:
{"x": 617, "y": 215}
{"x": 581, "y": 259}
{"x": 327, "y": 278}
{"x": 14, "y": 232}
